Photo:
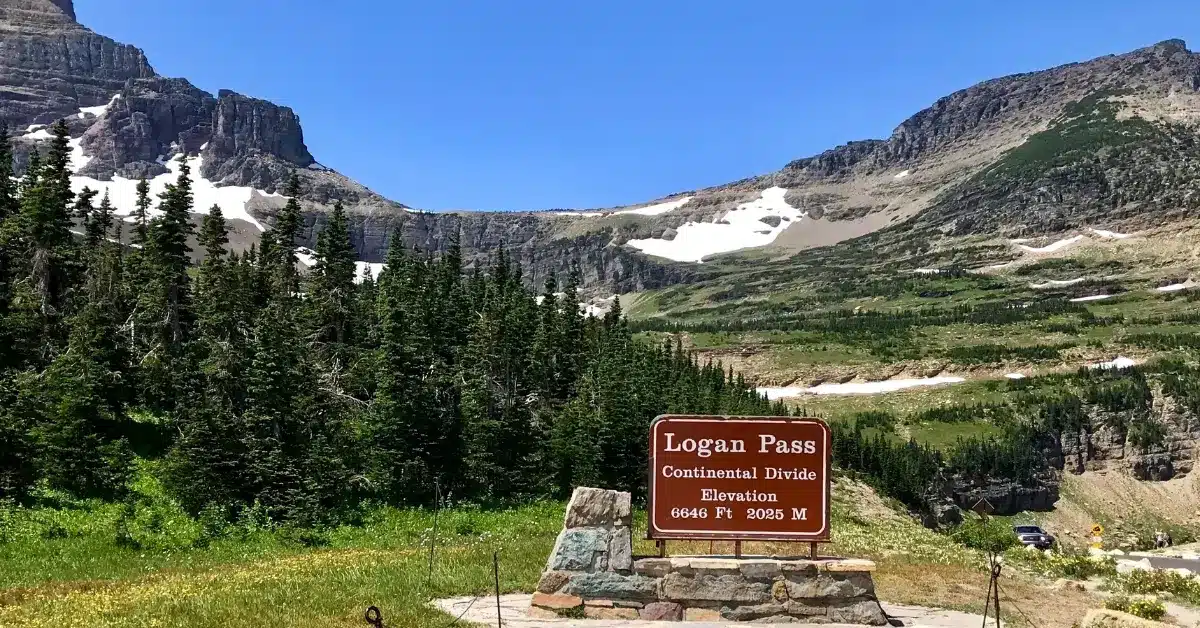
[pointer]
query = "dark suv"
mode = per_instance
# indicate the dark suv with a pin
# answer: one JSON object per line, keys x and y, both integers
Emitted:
{"x": 1033, "y": 535}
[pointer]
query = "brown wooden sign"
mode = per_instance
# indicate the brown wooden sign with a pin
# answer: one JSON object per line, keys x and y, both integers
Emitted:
{"x": 739, "y": 478}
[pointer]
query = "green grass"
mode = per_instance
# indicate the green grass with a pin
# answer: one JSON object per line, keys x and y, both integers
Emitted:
{"x": 945, "y": 435}
{"x": 265, "y": 577}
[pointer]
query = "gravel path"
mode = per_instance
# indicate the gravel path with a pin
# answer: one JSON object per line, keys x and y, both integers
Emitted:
{"x": 513, "y": 613}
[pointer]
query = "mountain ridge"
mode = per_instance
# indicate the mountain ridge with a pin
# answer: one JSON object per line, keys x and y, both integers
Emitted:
{"x": 927, "y": 175}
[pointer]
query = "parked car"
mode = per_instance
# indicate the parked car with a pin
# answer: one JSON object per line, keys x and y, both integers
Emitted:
{"x": 1033, "y": 535}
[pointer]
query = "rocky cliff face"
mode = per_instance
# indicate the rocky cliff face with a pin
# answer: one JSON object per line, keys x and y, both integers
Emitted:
{"x": 50, "y": 66}
{"x": 1111, "y": 440}
{"x": 1156, "y": 442}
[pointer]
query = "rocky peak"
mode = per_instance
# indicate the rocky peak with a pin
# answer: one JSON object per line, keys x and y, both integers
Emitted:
{"x": 1170, "y": 47}
{"x": 50, "y": 66}
{"x": 37, "y": 13}
{"x": 242, "y": 124}
{"x": 66, "y": 6}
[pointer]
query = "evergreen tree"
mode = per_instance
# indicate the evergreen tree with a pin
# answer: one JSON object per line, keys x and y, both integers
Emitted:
{"x": 400, "y": 421}
{"x": 45, "y": 198}
{"x": 171, "y": 260}
{"x": 164, "y": 313}
{"x": 286, "y": 230}
{"x": 331, "y": 291}
{"x": 9, "y": 203}
{"x": 84, "y": 210}
{"x": 141, "y": 214}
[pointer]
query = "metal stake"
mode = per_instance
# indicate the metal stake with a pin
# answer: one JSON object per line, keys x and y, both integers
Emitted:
{"x": 496, "y": 571}
{"x": 437, "y": 504}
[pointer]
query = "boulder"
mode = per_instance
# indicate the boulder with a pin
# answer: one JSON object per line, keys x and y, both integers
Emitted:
{"x": 595, "y": 507}
{"x": 1130, "y": 566}
{"x": 580, "y": 549}
{"x": 610, "y": 585}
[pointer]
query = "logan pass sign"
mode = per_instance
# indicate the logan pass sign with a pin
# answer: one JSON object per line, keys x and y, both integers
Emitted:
{"x": 734, "y": 478}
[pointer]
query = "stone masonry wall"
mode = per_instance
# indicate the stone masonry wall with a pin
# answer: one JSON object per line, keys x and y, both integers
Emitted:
{"x": 592, "y": 573}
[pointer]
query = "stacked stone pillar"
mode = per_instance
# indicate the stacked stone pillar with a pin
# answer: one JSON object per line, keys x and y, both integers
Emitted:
{"x": 592, "y": 573}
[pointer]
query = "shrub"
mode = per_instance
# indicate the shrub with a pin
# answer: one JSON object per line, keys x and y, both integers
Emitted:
{"x": 156, "y": 524}
{"x": 992, "y": 535}
{"x": 1146, "y": 608}
{"x": 1159, "y": 581}
{"x": 1073, "y": 566}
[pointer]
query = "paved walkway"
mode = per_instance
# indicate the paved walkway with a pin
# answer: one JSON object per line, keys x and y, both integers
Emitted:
{"x": 513, "y": 610}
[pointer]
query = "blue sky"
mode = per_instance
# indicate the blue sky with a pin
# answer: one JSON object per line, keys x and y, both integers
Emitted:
{"x": 537, "y": 104}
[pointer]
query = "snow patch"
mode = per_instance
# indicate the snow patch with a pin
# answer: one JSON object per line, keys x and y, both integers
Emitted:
{"x": 928, "y": 271}
{"x": 1112, "y": 235}
{"x": 308, "y": 257}
{"x": 579, "y": 214}
{"x": 1050, "y": 248}
{"x": 1015, "y": 376}
{"x": 1121, "y": 362}
{"x": 1056, "y": 282}
{"x": 741, "y": 228}
{"x": 123, "y": 192}
{"x": 360, "y": 267}
{"x": 598, "y": 307}
{"x": 41, "y": 133}
{"x": 863, "y": 388}
{"x": 1094, "y": 297}
{"x": 99, "y": 110}
{"x": 658, "y": 208}
{"x": 902, "y": 175}
{"x": 1175, "y": 287}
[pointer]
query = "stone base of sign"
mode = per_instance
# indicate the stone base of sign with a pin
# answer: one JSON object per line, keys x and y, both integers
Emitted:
{"x": 592, "y": 573}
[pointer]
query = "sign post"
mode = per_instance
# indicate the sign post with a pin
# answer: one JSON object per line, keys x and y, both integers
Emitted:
{"x": 739, "y": 479}
{"x": 1097, "y": 535}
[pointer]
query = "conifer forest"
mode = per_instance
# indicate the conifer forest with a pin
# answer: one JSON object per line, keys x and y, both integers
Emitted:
{"x": 304, "y": 395}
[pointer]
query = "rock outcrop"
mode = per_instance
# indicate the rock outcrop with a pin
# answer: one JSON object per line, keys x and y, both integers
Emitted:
{"x": 51, "y": 66}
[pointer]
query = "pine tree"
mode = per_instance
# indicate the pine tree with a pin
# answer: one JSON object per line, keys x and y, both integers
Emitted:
{"x": 45, "y": 198}
{"x": 84, "y": 210}
{"x": 141, "y": 214}
{"x": 84, "y": 395}
{"x": 400, "y": 416}
{"x": 18, "y": 453}
{"x": 171, "y": 253}
{"x": 164, "y": 312}
{"x": 9, "y": 203}
{"x": 331, "y": 290}
{"x": 285, "y": 232}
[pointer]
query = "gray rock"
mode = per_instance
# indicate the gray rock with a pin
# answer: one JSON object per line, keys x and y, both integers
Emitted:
{"x": 661, "y": 611}
{"x": 760, "y": 570}
{"x": 828, "y": 585}
{"x": 713, "y": 588}
{"x": 613, "y": 586}
{"x": 865, "y": 611}
{"x": 580, "y": 549}
{"x": 552, "y": 581}
{"x": 620, "y": 550}
{"x": 598, "y": 507}
{"x": 783, "y": 612}
{"x": 653, "y": 567}
{"x": 53, "y": 66}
